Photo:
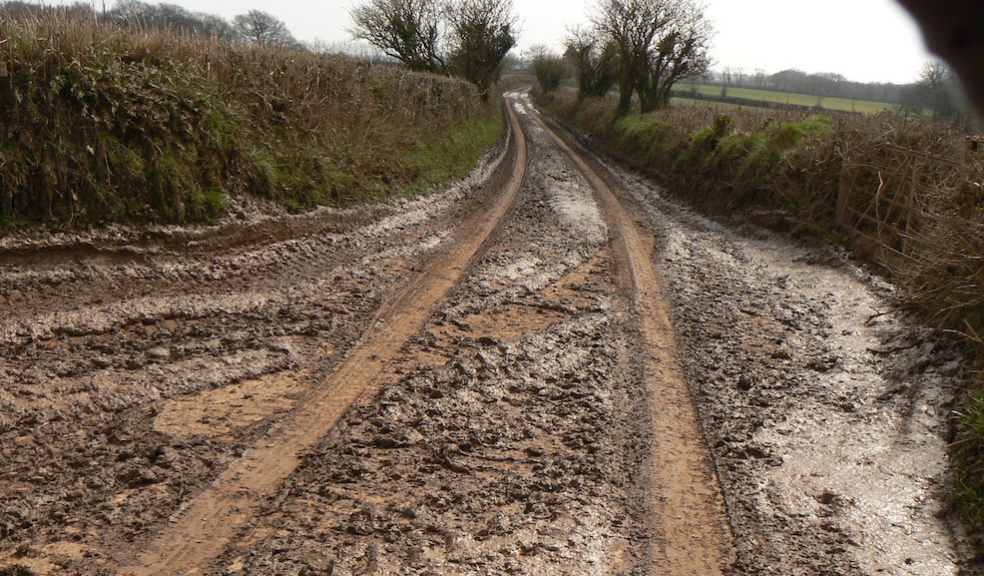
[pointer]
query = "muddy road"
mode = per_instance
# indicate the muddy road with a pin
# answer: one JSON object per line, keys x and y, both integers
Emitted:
{"x": 549, "y": 368}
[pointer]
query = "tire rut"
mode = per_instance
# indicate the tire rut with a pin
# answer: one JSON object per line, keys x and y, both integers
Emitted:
{"x": 208, "y": 523}
{"x": 103, "y": 360}
{"x": 690, "y": 523}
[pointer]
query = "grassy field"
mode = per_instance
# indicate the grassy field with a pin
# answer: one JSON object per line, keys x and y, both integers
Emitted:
{"x": 838, "y": 104}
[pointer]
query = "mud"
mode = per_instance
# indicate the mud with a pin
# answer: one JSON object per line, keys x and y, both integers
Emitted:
{"x": 107, "y": 364}
{"x": 514, "y": 452}
{"x": 514, "y": 434}
{"x": 826, "y": 408}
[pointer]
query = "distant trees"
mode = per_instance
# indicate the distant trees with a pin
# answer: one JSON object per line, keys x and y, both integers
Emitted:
{"x": 170, "y": 17}
{"x": 643, "y": 46}
{"x": 254, "y": 27}
{"x": 17, "y": 9}
{"x": 594, "y": 60}
{"x": 824, "y": 84}
{"x": 938, "y": 91}
{"x": 467, "y": 38}
{"x": 549, "y": 68}
{"x": 263, "y": 29}
{"x": 481, "y": 33}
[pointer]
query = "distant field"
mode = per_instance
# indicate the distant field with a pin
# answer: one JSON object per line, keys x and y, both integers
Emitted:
{"x": 841, "y": 104}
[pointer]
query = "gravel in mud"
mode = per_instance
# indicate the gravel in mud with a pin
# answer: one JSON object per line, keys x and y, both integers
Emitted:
{"x": 512, "y": 450}
{"x": 136, "y": 366}
{"x": 825, "y": 409}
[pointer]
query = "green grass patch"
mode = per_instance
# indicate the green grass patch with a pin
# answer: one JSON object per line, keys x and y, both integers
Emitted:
{"x": 969, "y": 474}
{"x": 827, "y": 103}
{"x": 439, "y": 160}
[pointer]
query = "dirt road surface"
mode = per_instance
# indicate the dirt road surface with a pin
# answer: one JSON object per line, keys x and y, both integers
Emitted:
{"x": 549, "y": 368}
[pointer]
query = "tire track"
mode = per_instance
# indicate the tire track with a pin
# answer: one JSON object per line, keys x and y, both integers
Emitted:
{"x": 203, "y": 530}
{"x": 690, "y": 531}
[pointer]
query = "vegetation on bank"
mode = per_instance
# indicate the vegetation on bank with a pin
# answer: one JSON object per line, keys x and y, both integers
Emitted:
{"x": 805, "y": 164}
{"x": 111, "y": 122}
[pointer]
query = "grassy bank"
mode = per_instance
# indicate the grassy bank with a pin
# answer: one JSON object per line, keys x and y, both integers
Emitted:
{"x": 104, "y": 123}
{"x": 910, "y": 173}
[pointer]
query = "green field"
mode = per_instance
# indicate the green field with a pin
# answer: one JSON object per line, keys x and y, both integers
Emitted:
{"x": 841, "y": 104}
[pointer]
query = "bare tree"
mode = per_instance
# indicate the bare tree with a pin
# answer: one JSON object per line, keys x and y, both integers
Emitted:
{"x": 408, "y": 30}
{"x": 659, "y": 42}
{"x": 468, "y": 38}
{"x": 263, "y": 29}
{"x": 938, "y": 91}
{"x": 481, "y": 33}
{"x": 595, "y": 62}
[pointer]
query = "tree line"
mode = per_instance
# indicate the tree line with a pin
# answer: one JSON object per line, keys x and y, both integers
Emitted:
{"x": 253, "y": 27}
{"x": 824, "y": 84}
{"x": 465, "y": 38}
{"x": 642, "y": 48}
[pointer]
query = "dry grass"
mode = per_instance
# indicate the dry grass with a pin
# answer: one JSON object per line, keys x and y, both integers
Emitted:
{"x": 108, "y": 123}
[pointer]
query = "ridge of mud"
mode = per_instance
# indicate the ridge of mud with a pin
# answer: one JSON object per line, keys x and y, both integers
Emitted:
{"x": 831, "y": 452}
{"x": 208, "y": 523}
{"x": 92, "y": 353}
{"x": 690, "y": 529}
{"x": 493, "y": 456}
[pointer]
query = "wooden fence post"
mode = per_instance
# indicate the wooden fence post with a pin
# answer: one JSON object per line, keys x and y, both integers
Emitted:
{"x": 843, "y": 190}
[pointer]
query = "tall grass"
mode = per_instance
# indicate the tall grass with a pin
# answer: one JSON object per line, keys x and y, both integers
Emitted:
{"x": 801, "y": 162}
{"x": 103, "y": 122}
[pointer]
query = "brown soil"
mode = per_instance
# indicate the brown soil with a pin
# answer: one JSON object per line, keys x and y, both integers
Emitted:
{"x": 690, "y": 529}
{"x": 514, "y": 376}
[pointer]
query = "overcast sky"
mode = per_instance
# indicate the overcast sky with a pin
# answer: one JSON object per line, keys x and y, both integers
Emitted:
{"x": 865, "y": 40}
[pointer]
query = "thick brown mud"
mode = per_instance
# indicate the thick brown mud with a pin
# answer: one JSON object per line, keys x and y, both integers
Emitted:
{"x": 826, "y": 408}
{"x": 515, "y": 426}
{"x": 205, "y": 528}
{"x": 107, "y": 363}
{"x": 688, "y": 524}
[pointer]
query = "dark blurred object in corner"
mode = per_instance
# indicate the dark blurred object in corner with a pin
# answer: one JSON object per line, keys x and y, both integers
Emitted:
{"x": 954, "y": 29}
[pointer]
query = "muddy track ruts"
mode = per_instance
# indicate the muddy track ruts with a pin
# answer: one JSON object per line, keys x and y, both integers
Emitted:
{"x": 107, "y": 360}
{"x": 691, "y": 534}
{"x": 204, "y": 528}
{"x": 482, "y": 381}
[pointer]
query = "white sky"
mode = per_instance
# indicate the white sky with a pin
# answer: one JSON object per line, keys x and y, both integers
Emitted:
{"x": 865, "y": 40}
